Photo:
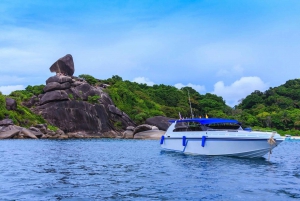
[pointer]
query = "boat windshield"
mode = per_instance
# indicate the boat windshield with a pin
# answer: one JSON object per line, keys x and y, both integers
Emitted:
{"x": 183, "y": 126}
{"x": 188, "y": 126}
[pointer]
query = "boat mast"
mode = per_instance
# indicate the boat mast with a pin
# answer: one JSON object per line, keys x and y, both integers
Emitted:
{"x": 190, "y": 104}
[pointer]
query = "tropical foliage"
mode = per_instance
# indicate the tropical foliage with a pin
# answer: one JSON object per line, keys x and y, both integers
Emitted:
{"x": 140, "y": 101}
{"x": 277, "y": 108}
{"x": 22, "y": 116}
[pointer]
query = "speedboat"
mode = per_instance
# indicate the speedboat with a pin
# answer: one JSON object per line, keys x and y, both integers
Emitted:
{"x": 214, "y": 136}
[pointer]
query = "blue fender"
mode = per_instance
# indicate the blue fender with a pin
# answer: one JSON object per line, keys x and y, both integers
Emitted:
{"x": 183, "y": 141}
{"x": 203, "y": 141}
{"x": 162, "y": 139}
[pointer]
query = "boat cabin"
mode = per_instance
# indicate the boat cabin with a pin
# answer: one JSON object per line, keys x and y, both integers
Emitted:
{"x": 206, "y": 125}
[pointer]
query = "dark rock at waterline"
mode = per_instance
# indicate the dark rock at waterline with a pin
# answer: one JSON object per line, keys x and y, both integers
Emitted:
{"x": 11, "y": 104}
{"x": 160, "y": 122}
{"x": 130, "y": 128}
{"x": 149, "y": 134}
{"x": 9, "y": 134}
{"x": 75, "y": 116}
{"x": 42, "y": 127}
{"x": 71, "y": 116}
{"x": 64, "y": 65}
{"x": 28, "y": 133}
{"x": 141, "y": 128}
{"x": 128, "y": 134}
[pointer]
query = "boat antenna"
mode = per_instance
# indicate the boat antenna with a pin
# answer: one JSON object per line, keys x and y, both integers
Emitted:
{"x": 190, "y": 104}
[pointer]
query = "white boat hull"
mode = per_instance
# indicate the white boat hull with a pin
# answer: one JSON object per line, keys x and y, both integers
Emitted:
{"x": 230, "y": 146}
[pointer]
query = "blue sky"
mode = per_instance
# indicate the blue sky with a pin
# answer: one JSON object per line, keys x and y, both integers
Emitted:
{"x": 229, "y": 48}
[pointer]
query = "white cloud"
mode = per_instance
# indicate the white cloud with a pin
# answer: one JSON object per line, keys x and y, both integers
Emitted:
{"x": 143, "y": 80}
{"x": 198, "y": 88}
{"x": 6, "y": 90}
{"x": 239, "y": 89}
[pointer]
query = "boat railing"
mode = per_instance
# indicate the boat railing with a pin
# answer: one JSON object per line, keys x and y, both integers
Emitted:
{"x": 228, "y": 130}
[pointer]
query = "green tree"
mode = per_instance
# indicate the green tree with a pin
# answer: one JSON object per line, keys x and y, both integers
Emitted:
{"x": 90, "y": 79}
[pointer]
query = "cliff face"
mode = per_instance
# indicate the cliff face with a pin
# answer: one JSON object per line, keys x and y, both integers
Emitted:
{"x": 74, "y": 106}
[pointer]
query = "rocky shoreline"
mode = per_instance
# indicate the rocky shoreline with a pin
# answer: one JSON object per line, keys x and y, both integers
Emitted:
{"x": 40, "y": 131}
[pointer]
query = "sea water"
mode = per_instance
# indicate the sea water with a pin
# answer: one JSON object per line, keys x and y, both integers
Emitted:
{"x": 110, "y": 169}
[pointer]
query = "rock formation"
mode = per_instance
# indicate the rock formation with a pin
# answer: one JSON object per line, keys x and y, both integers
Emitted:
{"x": 11, "y": 104}
{"x": 160, "y": 122}
{"x": 143, "y": 131}
{"x": 150, "y": 134}
{"x": 79, "y": 110}
{"x": 6, "y": 122}
{"x": 146, "y": 131}
{"x": 76, "y": 107}
{"x": 10, "y": 131}
{"x": 64, "y": 65}
{"x": 128, "y": 134}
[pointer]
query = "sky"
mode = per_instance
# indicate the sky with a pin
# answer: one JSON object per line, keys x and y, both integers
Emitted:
{"x": 226, "y": 47}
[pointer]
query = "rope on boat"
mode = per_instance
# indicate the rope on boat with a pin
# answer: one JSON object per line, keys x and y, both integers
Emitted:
{"x": 271, "y": 141}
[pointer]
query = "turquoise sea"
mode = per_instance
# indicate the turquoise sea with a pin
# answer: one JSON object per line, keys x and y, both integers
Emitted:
{"x": 110, "y": 169}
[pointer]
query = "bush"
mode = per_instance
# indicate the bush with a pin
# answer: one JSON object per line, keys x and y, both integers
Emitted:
{"x": 53, "y": 128}
{"x": 93, "y": 99}
{"x": 118, "y": 125}
{"x": 90, "y": 79}
{"x": 36, "y": 90}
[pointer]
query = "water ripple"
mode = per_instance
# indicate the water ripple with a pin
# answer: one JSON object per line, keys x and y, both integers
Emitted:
{"x": 106, "y": 169}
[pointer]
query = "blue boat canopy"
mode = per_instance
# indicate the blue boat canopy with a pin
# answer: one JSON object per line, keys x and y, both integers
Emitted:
{"x": 204, "y": 121}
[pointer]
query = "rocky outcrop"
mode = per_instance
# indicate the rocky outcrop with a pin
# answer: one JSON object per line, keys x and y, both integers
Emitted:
{"x": 42, "y": 128}
{"x": 141, "y": 128}
{"x": 59, "y": 78}
{"x": 64, "y": 65}
{"x": 57, "y": 95}
{"x": 28, "y": 133}
{"x": 11, "y": 104}
{"x": 72, "y": 116}
{"x": 146, "y": 131}
{"x": 6, "y": 122}
{"x": 160, "y": 122}
{"x": 150, "y": 134}
{"x": 76, "y": 107}
{"x": 9, "y": 134}
{"x": 39, "y": 131}
{"x": 33, "y": 101}
{"x": 52, "y": 86}
{"x": 128, "y": 134}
